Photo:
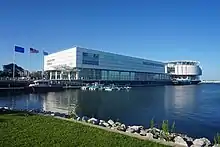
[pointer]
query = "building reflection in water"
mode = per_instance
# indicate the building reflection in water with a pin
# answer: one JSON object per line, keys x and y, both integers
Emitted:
{"x": 63, "y": 102}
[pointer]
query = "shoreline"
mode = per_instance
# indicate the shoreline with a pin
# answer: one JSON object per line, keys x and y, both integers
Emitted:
{"x": 161, "y": 136}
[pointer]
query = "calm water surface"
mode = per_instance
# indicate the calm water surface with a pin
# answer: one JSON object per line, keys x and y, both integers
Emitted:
{"x": 194, "y": 108}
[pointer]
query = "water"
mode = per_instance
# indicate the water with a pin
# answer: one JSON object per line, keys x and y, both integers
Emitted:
{"x": 194, "y": 108}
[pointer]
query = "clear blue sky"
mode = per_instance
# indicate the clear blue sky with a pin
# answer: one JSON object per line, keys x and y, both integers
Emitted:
{"x": 158, "y": 29}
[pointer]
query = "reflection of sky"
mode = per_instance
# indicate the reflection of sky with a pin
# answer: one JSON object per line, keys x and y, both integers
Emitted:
{"x": 22, "y": 101}
{"x": 179, "y": 100}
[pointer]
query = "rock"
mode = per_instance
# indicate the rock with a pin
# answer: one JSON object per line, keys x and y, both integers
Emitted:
{"x": 136, "y": 133}
{"x": 105, "y": 124}
{"x": 201, "y": 142}
{"x": 149, "y": 135}
{"x": 31, "y": 111}
{"x": 153, "y": 130}
{"x": 6, "y": 108}
{"x": 156, "y": 135}
{"x": 68, "y": 116}
{"x": 188, "y": 140}
{"x": 52, "y": 114}
{"x": 85, "y": 118}
{"x": 117, "y": 124}
{"x": 111, "y": 122}
{"x": 143, "y": 132}
{"x": 179, "y": 140}
{"x": 137, "y": 128}
{"x": 78, "y": 119}
{"x": 162, "y": 139}
{"x": 122, "y": 127}
{"x": 130, "y": 130}
{"x": 93, "y": 121}
{"x": 57, "y": 114}
{"x": 101, "y": 121}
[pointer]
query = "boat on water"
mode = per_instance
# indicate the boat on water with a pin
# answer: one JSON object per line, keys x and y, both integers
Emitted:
{"x": 44, "y": 86}
{"x": 108, "y": 89}
{"x": 181, "y": 81}
{"x": 101, "y": 87}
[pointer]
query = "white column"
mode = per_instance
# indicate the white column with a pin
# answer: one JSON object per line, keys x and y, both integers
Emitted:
{"x": 56, "y": 75}
{"x": 77, "y": 75}
{"x": 50, "y": 75}
{"x": 69, "y": 75}
{"x": 61, "y": 75}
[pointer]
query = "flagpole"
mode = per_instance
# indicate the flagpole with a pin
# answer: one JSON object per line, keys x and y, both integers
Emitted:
{"x": 13, "y": 72}
{"x": 29, "y": 73}
{"x": 43, "y": 67}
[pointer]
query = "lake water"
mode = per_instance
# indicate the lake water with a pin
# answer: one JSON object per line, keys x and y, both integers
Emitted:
{"x": 194, "y": 108}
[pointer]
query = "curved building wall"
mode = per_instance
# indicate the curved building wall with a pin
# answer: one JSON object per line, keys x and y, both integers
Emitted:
{"x": 186, "y": 70}
{"x": 183, "y": 69}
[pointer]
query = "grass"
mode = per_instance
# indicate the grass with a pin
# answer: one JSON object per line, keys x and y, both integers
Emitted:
{"x": 217, "y": 139}
{"x": 21, "y": 129}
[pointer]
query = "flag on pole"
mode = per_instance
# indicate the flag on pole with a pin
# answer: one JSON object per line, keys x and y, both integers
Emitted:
{"x": 45, "y": 53}
{"x": 34, "y": 51}
{"x": 19, "y": 49}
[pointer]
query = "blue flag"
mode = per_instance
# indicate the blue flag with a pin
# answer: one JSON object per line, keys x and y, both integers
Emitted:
{"x": 45, "y": 53}
{"x": 19, "y": 49}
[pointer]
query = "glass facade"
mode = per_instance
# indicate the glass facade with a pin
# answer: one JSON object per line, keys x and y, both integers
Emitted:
{"x": 97, "y": 74}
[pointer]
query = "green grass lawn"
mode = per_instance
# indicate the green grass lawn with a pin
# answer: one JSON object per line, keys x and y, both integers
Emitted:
{"x": 20, "y": 129}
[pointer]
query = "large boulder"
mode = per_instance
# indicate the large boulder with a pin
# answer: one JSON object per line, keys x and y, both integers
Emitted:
{"x": 85, "y": 118}
{"x": 143, "y": 132}
{"x": 78, "y": 119}
{"x": 153, "y": 130}
{"x": 202, "y": 142}
{"x": 180, "y": 141}
{"x": 101, "y": 121}
{"x": 6, "y": 108}
{"x": 93, "y": 121}
{"x": 105, "y": 124}
{"x": 122, "y": 127}
{"x": 130, "y": 130}
{"x": 117, "y": 124}
{"x": 111, "y": 122}
{"x": 136, "y": 128}
{"x": 149, "y": 135}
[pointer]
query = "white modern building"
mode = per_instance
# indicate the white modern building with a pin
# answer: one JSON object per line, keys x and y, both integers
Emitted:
{"x": 87, "y": 64}
{"x": 188, "y": 71}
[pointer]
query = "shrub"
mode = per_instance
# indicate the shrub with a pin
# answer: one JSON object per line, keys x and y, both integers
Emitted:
{"x": 173, "y": 127}
{"x": 152, "y": 123}
{"x": 217, "y": 139}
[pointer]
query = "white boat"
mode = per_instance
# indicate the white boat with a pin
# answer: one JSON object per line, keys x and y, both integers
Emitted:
{"x": 40, "y": 83}
{"x": 108, "y": 89}
{"x": 84, "y": 87}
{"x": 127, "y": 87}
{"x": 44, "y": 85}
{"x": 93, "y": 88}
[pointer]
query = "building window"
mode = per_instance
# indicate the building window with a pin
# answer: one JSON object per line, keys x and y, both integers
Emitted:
{"x": 170, "y": 69}
{"x": 90, "y": 59}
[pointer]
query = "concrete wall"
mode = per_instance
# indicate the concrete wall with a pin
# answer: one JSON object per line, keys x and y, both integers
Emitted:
{"x": 62, "y": 58}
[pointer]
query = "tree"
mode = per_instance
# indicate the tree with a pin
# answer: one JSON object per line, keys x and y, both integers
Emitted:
{"x": 36, "y": 75}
